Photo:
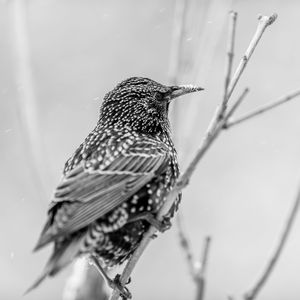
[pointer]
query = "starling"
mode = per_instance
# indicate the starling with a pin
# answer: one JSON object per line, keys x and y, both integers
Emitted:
{"x": 117, "y": 179}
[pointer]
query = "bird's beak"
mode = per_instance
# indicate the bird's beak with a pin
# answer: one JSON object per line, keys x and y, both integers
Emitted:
{"x": 180, "y": 90}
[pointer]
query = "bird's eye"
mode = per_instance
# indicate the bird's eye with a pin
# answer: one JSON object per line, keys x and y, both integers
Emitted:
{"x": 159, "y": 96}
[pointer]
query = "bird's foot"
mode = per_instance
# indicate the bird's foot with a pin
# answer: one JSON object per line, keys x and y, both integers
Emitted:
{"x": 123, "y": 290}
{"x": 166, "y": 223}
{"x": 115, "y": 283}
{"x": 161, "y": 226}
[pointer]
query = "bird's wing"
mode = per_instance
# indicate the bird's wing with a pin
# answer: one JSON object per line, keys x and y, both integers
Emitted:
{"x": 97, "y": 186}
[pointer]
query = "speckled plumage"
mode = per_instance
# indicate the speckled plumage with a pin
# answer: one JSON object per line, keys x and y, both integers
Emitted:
{"x": 125, "y": 167}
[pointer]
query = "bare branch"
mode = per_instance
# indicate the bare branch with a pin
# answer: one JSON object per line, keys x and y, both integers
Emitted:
{"x": 197, "y": 268}
{"x": 200, "y": 276}
{"x": 204, "y": 257}
{"x": 230, "y": 53}
{"x": 263, "y": 109}
{"x": 251, "y": 295}
{"x": 185, "y": 245}
{"x": 263, "y": 23}
{"x": 206, "y": 142}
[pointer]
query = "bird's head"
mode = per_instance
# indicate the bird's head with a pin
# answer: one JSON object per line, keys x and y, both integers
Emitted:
{"x": 141, "y": 103}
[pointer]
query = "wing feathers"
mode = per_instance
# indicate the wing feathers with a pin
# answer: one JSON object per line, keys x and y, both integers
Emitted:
{"x": 97, "y": 188}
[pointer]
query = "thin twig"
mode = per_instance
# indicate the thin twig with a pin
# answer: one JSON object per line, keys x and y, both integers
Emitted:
{"x": 206, "y": 142}
{"x": 200, "y": 276}
{"x": 185, "y": 245}
{"x": 263, "y": 23}
{"x": 230, "y": 53}
{"x": 204, "y": 257}
{"x": 262, "y": 109}
{"x": 251, "y": 295}
{"x": 197, "y": 269}
{"x": 220, "y": 110}
{"x": 182, "y": 182}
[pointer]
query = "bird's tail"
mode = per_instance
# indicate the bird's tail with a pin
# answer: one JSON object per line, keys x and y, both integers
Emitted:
{"x": 61, "y": 257}
{"x": 38, "y": 281}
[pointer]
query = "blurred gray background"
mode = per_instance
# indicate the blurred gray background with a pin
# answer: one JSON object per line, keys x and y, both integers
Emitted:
{"x": 243, "y": 188}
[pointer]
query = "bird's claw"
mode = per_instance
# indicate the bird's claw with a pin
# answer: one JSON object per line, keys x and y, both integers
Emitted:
{"x": 123, "y": 290}
{"x": 161, "y": 226}
{"x": 128, "y": 281}
{"x": 154, "y": 236}
{"x": 165, "y": 224}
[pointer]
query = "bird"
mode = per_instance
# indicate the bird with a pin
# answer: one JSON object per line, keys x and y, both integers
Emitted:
{"x": 116, "y": 181}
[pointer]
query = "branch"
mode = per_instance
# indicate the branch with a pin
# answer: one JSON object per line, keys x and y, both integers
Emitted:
{"x": 251, "y": 295}
{"x": 185, "y": 245}
{"x": 263, "y": 23}
{"x": 200, "y": 276}
{"x": 206, "y": 142}
{"x": 197, "y": 268}
{"x": 263, "y": 109}
{"x": 230, "y": 53}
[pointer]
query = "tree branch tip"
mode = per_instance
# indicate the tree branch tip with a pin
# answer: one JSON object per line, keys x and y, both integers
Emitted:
{"x": 244, "y": 93}
{"x": 269, "y": 19}
{"x": 233, "y": 14}
{"x": 208, "y": 239}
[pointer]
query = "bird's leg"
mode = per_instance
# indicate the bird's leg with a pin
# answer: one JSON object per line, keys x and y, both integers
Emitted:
{"x": 161, "y": 226}
{"x": 112, "y": 283}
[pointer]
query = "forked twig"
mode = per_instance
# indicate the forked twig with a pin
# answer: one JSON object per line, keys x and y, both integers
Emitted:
{"x": 197, "y": 268}
{"x": 263, "y": 23}
{"x": 26, "y": 98}
{"x": 200, "y": 276}
{"x": 206, "y": 142}
{"x": 220, "y": 110}
{"x": 262, "y": 109}
{"x": 253, "y": 292}
{"x": 185, "y": 245}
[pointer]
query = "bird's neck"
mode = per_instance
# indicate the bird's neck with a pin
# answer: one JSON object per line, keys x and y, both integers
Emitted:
{"x": 156, "y": 125}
